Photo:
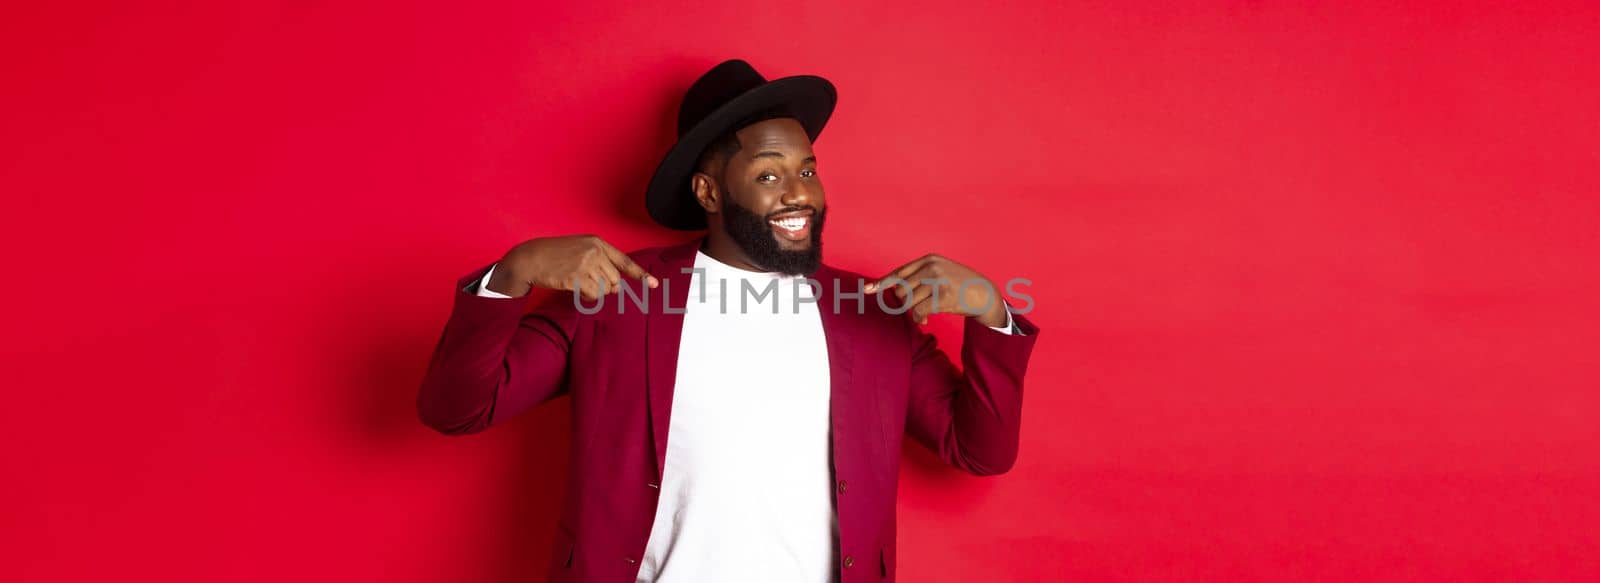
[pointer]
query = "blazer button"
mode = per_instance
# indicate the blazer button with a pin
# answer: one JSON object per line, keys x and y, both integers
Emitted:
{"x": 654, "y": 485}
{"x": 843, "y": 485}
{"x": 849, "y": 560}
{"x": 629, "y": 560}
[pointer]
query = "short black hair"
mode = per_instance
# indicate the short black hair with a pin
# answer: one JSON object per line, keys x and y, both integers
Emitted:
{"x": 727, "y": 144}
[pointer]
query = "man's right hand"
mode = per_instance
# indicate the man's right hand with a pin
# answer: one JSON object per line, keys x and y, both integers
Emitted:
{"x": 580, "y": 262}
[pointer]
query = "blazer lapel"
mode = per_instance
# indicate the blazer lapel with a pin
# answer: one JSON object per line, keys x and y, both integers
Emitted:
{"x": 663, "y": 333}
{"x": 839, "y": 328}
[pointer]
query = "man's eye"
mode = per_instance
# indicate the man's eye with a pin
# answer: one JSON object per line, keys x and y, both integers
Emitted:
{"x": 766, "y": 177}
{"x": 808, "y": 173}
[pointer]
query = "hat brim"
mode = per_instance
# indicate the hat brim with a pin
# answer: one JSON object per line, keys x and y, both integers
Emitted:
{"x": 670, "y": 197}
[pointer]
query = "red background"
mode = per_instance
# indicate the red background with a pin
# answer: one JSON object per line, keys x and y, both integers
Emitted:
{"x": 1317, "y": 285}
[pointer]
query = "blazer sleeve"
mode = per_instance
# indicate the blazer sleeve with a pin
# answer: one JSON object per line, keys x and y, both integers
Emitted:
{"x": 971, "y": 419}
{"x": 493, "y": 360}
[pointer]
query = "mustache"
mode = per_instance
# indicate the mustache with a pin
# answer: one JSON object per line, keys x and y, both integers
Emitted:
{"x": 792, "y": 209}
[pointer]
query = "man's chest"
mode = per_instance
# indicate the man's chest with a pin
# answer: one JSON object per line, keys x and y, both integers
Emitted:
{"x": 752, "y": 370}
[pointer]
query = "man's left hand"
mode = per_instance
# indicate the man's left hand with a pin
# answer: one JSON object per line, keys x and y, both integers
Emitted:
{"x": 936, "y": 284}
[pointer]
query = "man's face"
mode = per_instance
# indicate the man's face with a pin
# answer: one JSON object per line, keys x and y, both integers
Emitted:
{"x": 773, "y": 204}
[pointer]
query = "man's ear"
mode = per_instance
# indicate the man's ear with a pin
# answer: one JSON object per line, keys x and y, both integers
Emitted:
{"x": 706, "y": 192}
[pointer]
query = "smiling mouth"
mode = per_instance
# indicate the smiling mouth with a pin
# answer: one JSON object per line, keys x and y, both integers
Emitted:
{"x": 793, "y": 226}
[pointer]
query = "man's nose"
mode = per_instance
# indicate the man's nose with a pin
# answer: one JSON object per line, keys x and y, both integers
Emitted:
{"x": 800, "y": 194}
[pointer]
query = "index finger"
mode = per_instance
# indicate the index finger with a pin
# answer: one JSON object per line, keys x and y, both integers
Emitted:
{"x": 626, "y": 264}
{"x": 902, "y": 272}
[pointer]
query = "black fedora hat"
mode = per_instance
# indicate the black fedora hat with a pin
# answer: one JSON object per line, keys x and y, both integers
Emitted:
{"x": 719, "y": 100}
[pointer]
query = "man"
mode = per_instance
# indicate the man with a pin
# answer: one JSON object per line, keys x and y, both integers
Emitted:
{"x": 738, "y": 411}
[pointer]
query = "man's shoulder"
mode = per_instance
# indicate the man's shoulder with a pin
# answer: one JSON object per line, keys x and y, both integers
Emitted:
{"x": 846, "y": 288}
{"x": 844, "y": 276}
{"x": 649, "y": 257}
{"x": 649, "y": 254}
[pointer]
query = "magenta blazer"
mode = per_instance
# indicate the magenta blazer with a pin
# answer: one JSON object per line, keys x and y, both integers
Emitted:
{"x": 889, "y": 379}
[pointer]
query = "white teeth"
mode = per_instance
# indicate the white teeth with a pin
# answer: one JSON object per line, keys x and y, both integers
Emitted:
{"x": 794, "y": 224}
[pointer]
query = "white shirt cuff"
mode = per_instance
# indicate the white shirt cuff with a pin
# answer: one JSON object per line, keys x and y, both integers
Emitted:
{"x": 483, "y": 286}
{"x": 1011, "y": 324}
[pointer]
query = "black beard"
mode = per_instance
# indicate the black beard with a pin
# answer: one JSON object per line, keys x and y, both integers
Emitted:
{"x": 754, "y": 236}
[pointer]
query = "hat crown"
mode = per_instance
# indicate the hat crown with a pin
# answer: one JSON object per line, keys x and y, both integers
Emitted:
{"x": 718, "y": 86}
